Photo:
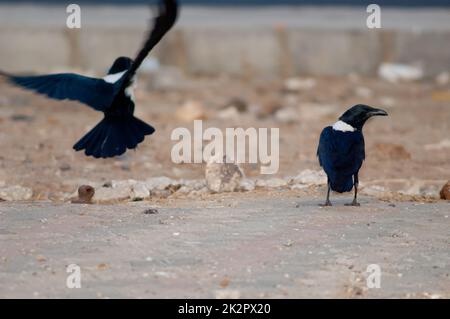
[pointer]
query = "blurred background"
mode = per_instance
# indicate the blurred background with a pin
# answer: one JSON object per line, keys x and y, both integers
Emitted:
{"x": 296, "y": 65}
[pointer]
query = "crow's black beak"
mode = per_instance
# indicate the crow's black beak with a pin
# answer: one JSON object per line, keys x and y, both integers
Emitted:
{"x": 378, "y": 112}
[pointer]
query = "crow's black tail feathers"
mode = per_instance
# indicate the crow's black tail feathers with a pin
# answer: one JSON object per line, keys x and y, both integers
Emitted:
{"x": 341, "y": 183}
{"x": 113, "y": 136}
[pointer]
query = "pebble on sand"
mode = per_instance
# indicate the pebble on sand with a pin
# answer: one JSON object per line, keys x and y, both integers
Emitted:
{"x": 191, "y": 111}
{"x": 445, "y": 191}
{"x": 223, "y": 177}
{"x": 85, "y": 195}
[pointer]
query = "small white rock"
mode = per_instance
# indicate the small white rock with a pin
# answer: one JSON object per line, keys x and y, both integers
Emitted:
{"x": 139, "y": 192}
{"x": 191, "y": 111}
{"x": 299, "y": 84}
{"x": 228, "y": 294}
{"x": 373, "y": 190}
{"x": 310, "y": 177}
{"x": 159, "y": 183}
{"x": 223, "y": 177}
{"x": 363, "y": 92}
{"x": 15, "y": 193}
{"x": 229, "y": 113}
{"x": 271, "y": 183}
{"x": 395, "y": 72}
{"x": 247, "y": 185}
{"x": 287, "y": 115}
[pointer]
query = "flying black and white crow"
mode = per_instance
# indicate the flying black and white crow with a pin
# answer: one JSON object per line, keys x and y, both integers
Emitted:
{"x": 113, "y": 95}
{"x": 341, "y": 150}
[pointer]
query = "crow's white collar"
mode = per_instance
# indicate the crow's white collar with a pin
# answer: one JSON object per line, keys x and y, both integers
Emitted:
{"x": 343, "y": 127}
{"x": 113, "y": 78}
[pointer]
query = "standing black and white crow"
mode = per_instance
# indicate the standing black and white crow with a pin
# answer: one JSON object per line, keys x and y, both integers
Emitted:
{"x": 113, "y": 95}
{"x": 341, "y": 150}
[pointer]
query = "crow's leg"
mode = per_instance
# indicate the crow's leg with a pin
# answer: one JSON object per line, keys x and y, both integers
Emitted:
{"x": 355, "y": 199}
{"x": 327, "y": 202}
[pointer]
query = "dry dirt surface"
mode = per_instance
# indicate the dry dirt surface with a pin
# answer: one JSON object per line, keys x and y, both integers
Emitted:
{"x": 412, "y": 144}
{"x": 261, "y": 244}
{"x": 229, "y": 246}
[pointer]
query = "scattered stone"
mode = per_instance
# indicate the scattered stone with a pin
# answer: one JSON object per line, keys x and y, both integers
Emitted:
{"x": 299, "y": 186}
{"x": 22, "y": 118}
{"x": 239, "y": 104}
{"x": 363, "y": 92}
{"x": 41, "y": 258}
{"x": 247, "y": 185}
{"x": 444, "y": 144}
{"x": 224, "y": 283}
{"x": 85, "y": 195}
{"x": 107, "y": 185}
{"x": 102, "y": 266}
{"x": 191, "y": 186}
{"x": 394, "y": 72}
{"x": 441, "y": 96}
{"x": 166, "y": 78}
{"x": 287, "y": 115}
{"x": 421, "y": 189}
{"x": 151, "y": 211}
{"x": 191, "y": 111}
{"x": 289, "y": 243}
{"x": 269, "y": 107}
{"x": 443, "y": 78}
{"x": 160, "y": 183}
{"x": 15, "y": 193}
{"x": 229, "y": 113}
{"x": 65, "y": 167}
{"x": 391, "y": 151}
{"x": 310, "y": 177}
{"x": 314, "y": 111}
{"x": 120, "y": 190}
{"x": 387, "y": 101}
{"x": 223, "y": 177}
{"x": 162, "y": 194}
{"x": 271, "y": 183}
{"x": 164, "y": 274}
{"x": 139, "y": 191}
{"x": 299, "y": 84}
{"x": 445, "y": 191}
{"x": 228, "y": 294}
{"x": 198, "y": 193}
{"x": 373, "y": 190}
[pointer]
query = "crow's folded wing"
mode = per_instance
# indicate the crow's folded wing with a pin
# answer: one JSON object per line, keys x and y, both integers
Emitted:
{"x": 341, "y": 152}
{"x": 168, "y": 13}
{"x": 93, "y": 92}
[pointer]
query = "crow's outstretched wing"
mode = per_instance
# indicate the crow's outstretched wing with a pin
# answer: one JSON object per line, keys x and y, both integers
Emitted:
{"x": 168, "y": 12}
{"x": 93, "y": 92}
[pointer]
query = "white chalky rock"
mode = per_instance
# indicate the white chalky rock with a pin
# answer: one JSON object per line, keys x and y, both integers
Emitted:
{"x": 160, "y": 183}
{"x": 271, "y": 183}
{"x": 395, "y": 72}
{"x": 222, "y": 177}
{"x": 119, "y": 192}
{"x": 247, "y": 185}
{"x": 139, "y": 191}
{"x": 15, "y": 193}
{"x": 310, "y": 177}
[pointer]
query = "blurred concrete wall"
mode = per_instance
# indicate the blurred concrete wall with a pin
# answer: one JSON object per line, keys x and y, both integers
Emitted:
{"x": 315, "y": 42}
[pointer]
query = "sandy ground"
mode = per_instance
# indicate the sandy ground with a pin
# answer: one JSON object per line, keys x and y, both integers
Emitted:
{"x": 229, "y": 246}
{"x": 262, "y": 244}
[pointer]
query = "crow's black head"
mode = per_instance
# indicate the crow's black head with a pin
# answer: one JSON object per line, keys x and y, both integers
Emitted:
{"x": 121, "y": 64}
{"x": 359, "y": 114}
